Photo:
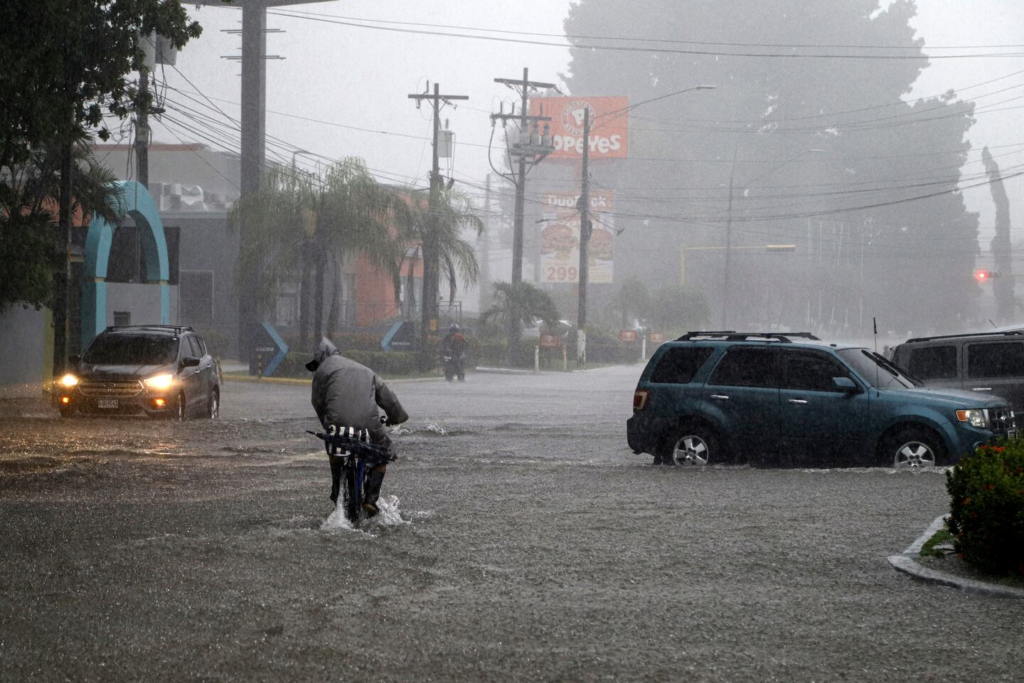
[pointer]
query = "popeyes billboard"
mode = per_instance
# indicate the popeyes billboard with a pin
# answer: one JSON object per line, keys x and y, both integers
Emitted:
{"x": 609, "y": 125}
{"x": 560, "y": 238}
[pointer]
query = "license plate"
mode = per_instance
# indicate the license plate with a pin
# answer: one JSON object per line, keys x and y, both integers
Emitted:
{"x": 106, "y": 403}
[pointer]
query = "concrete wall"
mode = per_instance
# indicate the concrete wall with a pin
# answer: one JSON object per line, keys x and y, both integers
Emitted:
{"x": 23, "y": 351}
{"x": 208, "y": 245}
{"x": 142, "y": 301}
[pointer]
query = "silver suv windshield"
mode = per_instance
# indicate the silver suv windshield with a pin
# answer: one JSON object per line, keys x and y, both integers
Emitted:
{"x": 877, "y": 371}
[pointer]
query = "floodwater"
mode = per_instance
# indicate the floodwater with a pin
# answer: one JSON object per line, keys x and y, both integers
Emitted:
{"x": 521, "y": 541}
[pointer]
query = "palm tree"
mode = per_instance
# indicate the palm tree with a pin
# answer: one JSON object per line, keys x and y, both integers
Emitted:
{"x": 303, "y": 223}
{"x": 515, "y": 304}
{"x": 446, "y": 252}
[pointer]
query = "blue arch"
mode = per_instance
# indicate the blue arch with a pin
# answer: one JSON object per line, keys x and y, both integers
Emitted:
{"x": 135, "y": 201}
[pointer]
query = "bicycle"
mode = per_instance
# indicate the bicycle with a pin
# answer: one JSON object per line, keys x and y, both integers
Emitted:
{"x": 359, "y": 456}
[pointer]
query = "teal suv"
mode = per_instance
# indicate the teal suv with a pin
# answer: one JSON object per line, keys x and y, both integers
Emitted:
{"x": 793, "y": 400}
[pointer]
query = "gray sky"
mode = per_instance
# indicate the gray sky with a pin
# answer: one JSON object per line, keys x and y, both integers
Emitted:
{"x": 361, "y": 77}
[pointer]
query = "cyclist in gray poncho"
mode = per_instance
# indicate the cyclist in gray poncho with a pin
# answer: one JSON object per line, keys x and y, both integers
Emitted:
{"x": 347, "y": 394}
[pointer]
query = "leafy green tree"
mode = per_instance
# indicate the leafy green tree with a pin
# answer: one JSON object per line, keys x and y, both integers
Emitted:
{"x": 515, "y": 304}
{"x": 62, "y": 63}
{"x": 297, "y": 224}
{"x": 873, "y": 211}
{"x": 1002, "y": 253}
{"x": 29, "y": 228}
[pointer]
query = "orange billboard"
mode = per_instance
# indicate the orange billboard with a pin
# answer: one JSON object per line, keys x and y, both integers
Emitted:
{"x": 609, "y": 125}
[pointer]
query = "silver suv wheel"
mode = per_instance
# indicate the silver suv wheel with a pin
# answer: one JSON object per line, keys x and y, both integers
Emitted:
{"x": 913, "y": 454}
{"x": 691, "y": 450}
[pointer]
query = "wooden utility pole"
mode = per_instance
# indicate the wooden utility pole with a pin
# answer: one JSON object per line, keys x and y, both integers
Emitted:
{"x": 524, "y": 87}
{"x": 431, "y": 258}
{"x": 584, "y": 208}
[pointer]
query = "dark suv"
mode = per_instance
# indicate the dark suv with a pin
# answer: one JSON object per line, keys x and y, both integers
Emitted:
{"x": 156, "y": 370}
{"x": 983, "y": 363}
{"x": 793, "y": 400}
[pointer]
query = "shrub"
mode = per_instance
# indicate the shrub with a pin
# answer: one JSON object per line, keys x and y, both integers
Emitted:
{"x": 386, "y": 364}
{"x": 987, "y": 508}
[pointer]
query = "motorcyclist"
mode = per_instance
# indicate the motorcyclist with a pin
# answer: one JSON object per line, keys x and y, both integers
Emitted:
{"x": 347, "y": 394}
{"x": 453, "y": 348}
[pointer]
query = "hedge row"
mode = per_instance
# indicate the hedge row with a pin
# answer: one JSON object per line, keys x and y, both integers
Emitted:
{"x": 987, "y": 508}
{"x": 385, "y": 364}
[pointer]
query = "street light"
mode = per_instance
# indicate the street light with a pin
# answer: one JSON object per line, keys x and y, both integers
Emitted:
{"x": 728, "y": 225}
{"x": 295, "y": 154}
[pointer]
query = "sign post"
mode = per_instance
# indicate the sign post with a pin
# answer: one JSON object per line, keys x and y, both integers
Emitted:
{"x": 268, "y": 350}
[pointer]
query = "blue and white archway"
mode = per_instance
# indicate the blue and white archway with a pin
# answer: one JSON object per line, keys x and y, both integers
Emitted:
{"x": 135, "y": 201}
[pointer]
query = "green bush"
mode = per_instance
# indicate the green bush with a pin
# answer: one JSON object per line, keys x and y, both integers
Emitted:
{"x": 987, "y": 508}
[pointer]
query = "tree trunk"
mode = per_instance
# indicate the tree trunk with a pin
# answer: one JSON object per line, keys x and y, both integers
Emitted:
{"x": 62, "y": 276}
{"x": 318, "y": 291}
{"x": 332, "y": 317}
{"x": 305, "y": 294}
{"x": 426, "y": 297}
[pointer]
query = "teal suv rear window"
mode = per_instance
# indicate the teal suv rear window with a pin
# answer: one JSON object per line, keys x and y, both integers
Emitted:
{"x": 679, "y": 365}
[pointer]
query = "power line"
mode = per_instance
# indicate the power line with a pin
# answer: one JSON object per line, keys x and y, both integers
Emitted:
{"x": 427, "y": 29}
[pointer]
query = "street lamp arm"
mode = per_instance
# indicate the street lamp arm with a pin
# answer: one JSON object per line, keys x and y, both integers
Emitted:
{"x": 633, "y": 106}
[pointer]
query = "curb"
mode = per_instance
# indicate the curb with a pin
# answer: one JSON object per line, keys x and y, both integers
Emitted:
{"x": 231, "y": 377}
{"x": 905, "y": 564}
{"x": 505, "y": 371}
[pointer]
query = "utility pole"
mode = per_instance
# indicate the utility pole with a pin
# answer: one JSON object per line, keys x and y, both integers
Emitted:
{"x": 431, "y": 259}
{"x": 485, "y": 250}
{"x": 524, "y": 88}
{"x": 584, "y": 208}
{"x": 728, "y": 246}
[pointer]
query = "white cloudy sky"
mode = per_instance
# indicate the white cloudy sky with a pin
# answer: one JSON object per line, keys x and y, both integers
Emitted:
{"x": 361, "y": 78}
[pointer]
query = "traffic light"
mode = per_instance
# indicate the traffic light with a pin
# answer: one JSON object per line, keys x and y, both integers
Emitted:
{"x": 984, "y": 275}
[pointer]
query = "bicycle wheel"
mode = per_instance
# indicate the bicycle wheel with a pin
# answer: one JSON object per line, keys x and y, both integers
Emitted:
{"x": 354, "y": 492}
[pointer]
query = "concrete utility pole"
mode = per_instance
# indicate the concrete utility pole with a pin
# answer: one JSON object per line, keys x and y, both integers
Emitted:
{"x": 253, "y": 126}
{"x": 728, "y": 247}
{"x": 524, "y": 88}
{"x": 584, "y": 208}
{"x": 431, "y": 259}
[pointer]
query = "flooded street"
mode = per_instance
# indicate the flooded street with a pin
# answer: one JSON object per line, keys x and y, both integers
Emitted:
{"x": 526, "y": 543}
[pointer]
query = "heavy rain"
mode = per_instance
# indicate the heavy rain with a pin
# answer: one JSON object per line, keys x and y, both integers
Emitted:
{"x": 557, "y": 341}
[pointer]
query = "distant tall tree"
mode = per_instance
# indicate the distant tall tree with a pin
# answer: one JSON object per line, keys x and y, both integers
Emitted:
{"x": 1002, "y": 257}
{"x": 632, "y": 300}
{"x": 677, "y": 309}
{"x": 856, "y": 210}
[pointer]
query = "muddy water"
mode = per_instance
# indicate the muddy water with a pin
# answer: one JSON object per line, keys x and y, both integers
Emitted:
{"x": 522, "y": 542}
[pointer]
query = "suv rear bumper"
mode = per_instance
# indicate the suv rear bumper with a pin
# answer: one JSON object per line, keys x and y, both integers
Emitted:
{"x": 643, "y": 434}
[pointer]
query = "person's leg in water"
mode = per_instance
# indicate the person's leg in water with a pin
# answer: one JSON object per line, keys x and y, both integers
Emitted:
{"x": 372, "y": 489}
{"x": 336, "y": 464}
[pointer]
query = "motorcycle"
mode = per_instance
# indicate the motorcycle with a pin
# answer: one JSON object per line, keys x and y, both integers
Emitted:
{"x": 454, "y": 366}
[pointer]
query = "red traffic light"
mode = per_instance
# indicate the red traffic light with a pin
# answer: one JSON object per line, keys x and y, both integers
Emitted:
{"x": 983, "y": 275}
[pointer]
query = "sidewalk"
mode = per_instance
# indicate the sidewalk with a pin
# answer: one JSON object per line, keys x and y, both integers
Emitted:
{"x": 907, "y": 563}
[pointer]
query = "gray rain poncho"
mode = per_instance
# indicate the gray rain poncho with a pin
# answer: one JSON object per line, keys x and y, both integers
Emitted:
{"x": 348, "y": 394}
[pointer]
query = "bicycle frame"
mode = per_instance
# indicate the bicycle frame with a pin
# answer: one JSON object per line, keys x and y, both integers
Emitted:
{"x": 357, "y": 452}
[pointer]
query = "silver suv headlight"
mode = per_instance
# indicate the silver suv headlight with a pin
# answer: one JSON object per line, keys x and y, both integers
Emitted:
{"x": 975, "y": 417}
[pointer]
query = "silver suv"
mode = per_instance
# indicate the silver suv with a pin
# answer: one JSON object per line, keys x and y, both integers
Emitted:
{"x": 986, "y": 363}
